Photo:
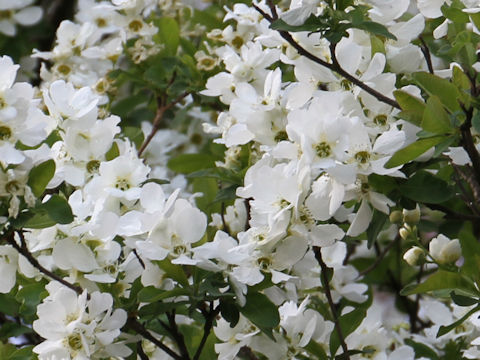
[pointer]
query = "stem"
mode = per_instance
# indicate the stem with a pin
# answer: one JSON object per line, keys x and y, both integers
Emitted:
{"x": 468, "y": 143}
{"x": 379, "y": 258}
{"x": 427, "y": 55}
{"x": 161, "y": 108}
{"x": 177, "y": 335}
{"x": 140, "y": 351}
{"x": 326, "y": 285}
{"x": 23, "y": 249}
{"x": 334, "y": 66}
{"x": 140, "y": 329}
{"x": 207, "y": 327}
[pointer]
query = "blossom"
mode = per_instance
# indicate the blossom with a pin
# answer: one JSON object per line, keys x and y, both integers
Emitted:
{"x": 445, "y": 251}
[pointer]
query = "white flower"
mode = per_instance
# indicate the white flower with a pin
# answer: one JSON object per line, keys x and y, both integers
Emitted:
{"x": 414, "y": 256}
{"x": 17, "y": 11}
{"x": 444, "y": 250}
{"x": 76, "y": 328}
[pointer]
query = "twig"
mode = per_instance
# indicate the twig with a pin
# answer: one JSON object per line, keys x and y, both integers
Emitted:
{"x": 23, "y": 249}
{"x": 427, "y": 55}
{"x": 326, "y": 285}
{"x": 379, "y": 258}
{"x": 133, "y": 324}
{"x": 161, "y": 108}
{"x": 467, "y": 141}
{"x": 334, "y": 66}
{"x": 140, "y": 351}
{"x": 207, "y": 327}
{"x": 177, "y": 335}
{"x": 245, "y": 351}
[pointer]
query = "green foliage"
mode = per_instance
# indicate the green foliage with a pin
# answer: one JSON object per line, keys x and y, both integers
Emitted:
{"x": 40, "y": 176}
{"x": 261, "y": 312}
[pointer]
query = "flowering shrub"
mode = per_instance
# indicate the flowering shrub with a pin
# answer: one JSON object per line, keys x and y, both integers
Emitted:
{"x": 235, "y": 180}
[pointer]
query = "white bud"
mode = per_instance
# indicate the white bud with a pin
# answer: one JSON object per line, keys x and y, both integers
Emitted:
{"x": 414, "y": 256}
{"x": 411, "y": 217}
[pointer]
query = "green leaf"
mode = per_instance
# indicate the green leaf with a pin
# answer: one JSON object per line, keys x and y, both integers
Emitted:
{"x": 174, "y": 272}
{"x": 412, "y": 107}
{"x": 58, "y": 209}
{"x": 421, "y": 350}
{"x": 435, "y": 118}
{"x": 316, "y": 350}
{"x": 446, "y": 329}
{"x": 348, "y": 323}
{"x": 377, "y": 45}
{"x": 412, "y": 151}
{"x": 375, "y": 29}
{"x": 134, "y": 134}
{"x": 376, "y": 225}
{"x": 8, "y": 305}
{"x": 40, "y": 176}
{"x": 229, "y": 311}
{"x": 30, "y": 296}
{"x": 462, "y": 300}
{"x": 442, "y": 280}
{"x": 424, "y": 187}
{"x": 475, "y": 19}
{"x": 343, "y": 4}
{"x": 113, "y": 152}
{"x": 470, "y": 251}
{"x": 168, "y": 34}
{"x": 261, "y": 312}
{"x": 151, "y": 294}
{"x": 444, "y": 89}
{"x": 312, "y": 24}
{"x": 188, "y": 163}
{"x": 24, "y": 353}
{"x": 12, "y": 329}
{"x": 39, "y": 220}
{"x": 476, "y": 120}
{"x": 219, "y": 173}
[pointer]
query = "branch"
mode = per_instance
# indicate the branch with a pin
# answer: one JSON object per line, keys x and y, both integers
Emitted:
{"x": 133, "y": 324}
{"x": 379, "y": 258}
{"x": 427, "y": 55}
{"x": 467, "y": 142}
{"x": 207, "y": 327}
{"x": 326, "y": 285}
{"x": 334, "y": 66}
{"x": 140, "y": 351}
{"x": 177, "y": 335}
{"x": 23, "y": 249}
{"x": 161, "y": 108}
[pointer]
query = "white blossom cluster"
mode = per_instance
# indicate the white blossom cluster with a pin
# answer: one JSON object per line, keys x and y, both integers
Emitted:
{"x": 314, "y": 140}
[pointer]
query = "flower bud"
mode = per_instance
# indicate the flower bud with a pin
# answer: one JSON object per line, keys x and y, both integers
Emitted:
{"x": 396, "y": 217}
{"x": 404, "y": 233}
{"x": 411, "y": 217}
{"x": 414, "y": 256}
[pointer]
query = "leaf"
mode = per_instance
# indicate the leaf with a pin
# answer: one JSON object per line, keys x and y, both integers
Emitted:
{"x": 188, "y": 163}
{"x": 435, "y": 118}
{"x": 376, "y": 29}
{"x": 376, "y": 225}
{"x": 40, "y": 176}
{"x": 113, "y": 152}
{"x": 442, "y": 280}
{"x": 470, "y": 251}
{"x": 58, "y": 209}
{"x": 134, "y": 134}
{"x": 24, "y": 353}
{"x": 312, "y": 24}
{"x": 412, "y": 151}
{"x": 173, "y": 271}
{"x": 424, "y": 187}
{"x": 8, "y": 305}
{"x": 444, "y": 89}
{"x": 218, "y": 173}
{"x": 226, "y": 194}
{"x": 229, "y": 311}
{"x": 412, "y": 107}
{"x": 348, "y": 323}
{"x": 12, "y": 329}
{"x": 151, "y": 294}
{"x": 421, "y": 350}
{"x": 446, "y": 329}
{"x": 168, "y": 34}
{"x": 462, "y": 300}
{"x": 317, "y": 350}
{"x": 261, "y": 312}
{"x": 343, "y": 4}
